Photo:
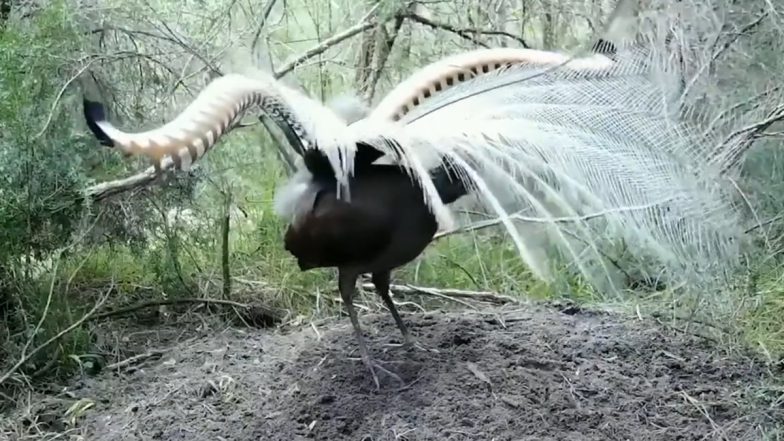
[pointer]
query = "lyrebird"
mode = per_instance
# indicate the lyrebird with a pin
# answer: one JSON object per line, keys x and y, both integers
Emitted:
{"x": 504, "y": 126}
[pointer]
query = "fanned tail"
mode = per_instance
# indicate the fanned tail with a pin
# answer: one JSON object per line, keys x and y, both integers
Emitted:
{"x": 594, "y": 156}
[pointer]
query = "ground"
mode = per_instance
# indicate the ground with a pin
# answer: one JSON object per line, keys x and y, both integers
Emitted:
{"x": 533, "y": 372}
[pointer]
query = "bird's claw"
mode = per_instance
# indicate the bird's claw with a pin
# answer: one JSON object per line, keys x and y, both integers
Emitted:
{"x": 373, "y": 365}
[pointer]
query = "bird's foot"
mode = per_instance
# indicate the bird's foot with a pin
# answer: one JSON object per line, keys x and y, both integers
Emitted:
{"x": 373, "y": 365}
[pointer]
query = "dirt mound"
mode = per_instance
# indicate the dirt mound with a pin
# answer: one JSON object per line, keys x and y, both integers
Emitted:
{"x": 530, "y": 374}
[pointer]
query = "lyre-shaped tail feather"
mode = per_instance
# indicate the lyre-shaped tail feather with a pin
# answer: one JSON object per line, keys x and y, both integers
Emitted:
{"x": 447, "y": 72}
{"x": 450, "y": 71}
{"x": 190, "y": 135}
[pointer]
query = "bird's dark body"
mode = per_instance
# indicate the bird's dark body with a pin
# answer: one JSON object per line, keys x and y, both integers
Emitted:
{"x": 385, "y": 225}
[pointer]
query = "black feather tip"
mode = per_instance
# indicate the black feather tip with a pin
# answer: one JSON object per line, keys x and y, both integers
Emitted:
{"x": 605, "y": 48}
{"x": 94, "y": 113}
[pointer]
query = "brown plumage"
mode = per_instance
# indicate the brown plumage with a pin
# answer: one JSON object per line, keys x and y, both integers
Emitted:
{"x": 385, "y": 225}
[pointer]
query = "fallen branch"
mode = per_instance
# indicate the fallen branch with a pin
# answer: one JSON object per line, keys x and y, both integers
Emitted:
{"x": 99, "y": 192}
{"x": 483, "y": 296}
{"x": 152, "y": 303}
{"x": 135, "y": 359}
{"x": 261, "y": 315}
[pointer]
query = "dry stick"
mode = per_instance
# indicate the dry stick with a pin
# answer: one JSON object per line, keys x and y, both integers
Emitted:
{"x": 464, "y": 32}
{"x": 539, "y": 220}
{"x": 138, "y": 306}
{"x": 485, "y": 296}
{"x": 135, "y": 359}
{"x": 226, "y": 230}
{"x": 264, "y": 16}
{"x": 59, "y": 335}
{"x": 366, "y": 23}
{"x": 60, "y": 95}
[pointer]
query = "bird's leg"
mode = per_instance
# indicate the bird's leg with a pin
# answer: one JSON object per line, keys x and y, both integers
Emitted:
{"x": 381, "y": 282}
{"x": 347, "y": 282}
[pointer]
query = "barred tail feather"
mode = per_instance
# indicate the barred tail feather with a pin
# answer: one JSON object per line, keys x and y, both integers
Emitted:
{"x": 456, "y": 69}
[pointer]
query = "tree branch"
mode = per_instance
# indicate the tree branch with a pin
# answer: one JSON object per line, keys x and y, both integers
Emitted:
{"x": 746, "y": 136}
{"x": 384, "y": 44}
{"x": 264, "y": 16}
{"x": 464, "y": 32}
{"x": 366, "y": 23}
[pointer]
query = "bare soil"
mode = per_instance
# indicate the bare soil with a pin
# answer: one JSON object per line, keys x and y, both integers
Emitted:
{"x": 533, "y": 373}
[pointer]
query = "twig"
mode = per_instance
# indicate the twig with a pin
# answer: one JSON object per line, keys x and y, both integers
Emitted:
{"x": 225, "y": 232}
{"x": 60, "y": 95}
{"x": 464, "y": 32}
{"x": 135, "y": 359}
{"x": 45, "y": 312}
{"x": 701, "y": 408}
{"x": 727, "y": 44}
{"x": 264, "y": 16}
{"x": 541, "y": 220}
{"x": 762, "y": 224}
{"x": 753, "y": 101}
{"x": 59, "y": 335}
{"x": 133, "y": 308}
{"x": 366, "y": 23}
{"x": 484, "y": 296}
{"x": 747, "y": 135}
{"x": 99, "y": 192}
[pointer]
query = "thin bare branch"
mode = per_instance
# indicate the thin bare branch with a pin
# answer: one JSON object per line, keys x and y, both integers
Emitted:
{"x": 540, "y": 220}
{"x": 716, "y": 54}
{"x": 366, "y": 23}
{"x": 483, "y": 296}
{"x": 264, "y": 16}
{"x": 465, "y": 33}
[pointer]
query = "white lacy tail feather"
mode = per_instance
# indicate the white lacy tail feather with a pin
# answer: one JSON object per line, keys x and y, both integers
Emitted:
{"x": 593, "y": 157}
{"x": 349, "y": 107}
{"x": 296, "y": 195}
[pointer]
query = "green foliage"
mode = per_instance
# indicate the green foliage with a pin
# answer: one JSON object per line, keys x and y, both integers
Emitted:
{"x": 40, "y": 176}
{"x": 43, "y": 166}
